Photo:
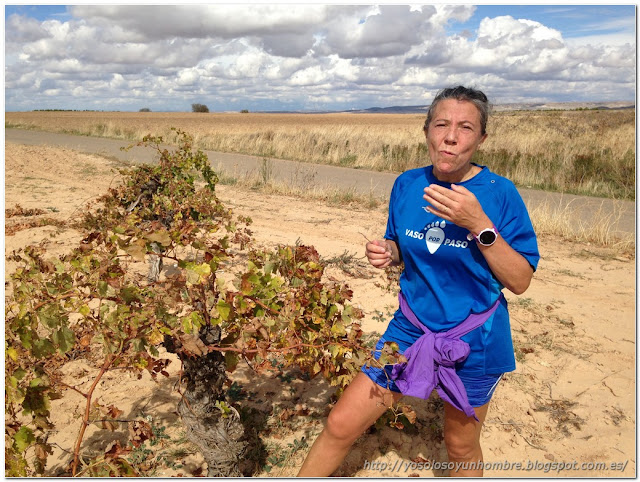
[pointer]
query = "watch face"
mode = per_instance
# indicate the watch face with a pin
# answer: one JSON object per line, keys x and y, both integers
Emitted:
{"x": 487, "y": 237}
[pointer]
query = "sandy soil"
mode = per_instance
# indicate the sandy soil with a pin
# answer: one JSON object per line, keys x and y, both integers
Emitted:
{"x": 571, "y": 401}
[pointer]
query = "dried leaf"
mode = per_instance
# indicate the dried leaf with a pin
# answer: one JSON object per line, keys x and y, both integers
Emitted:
{"x": 161, "y": 237}
{"x": 286, "y": 414}
{"x": 109, "y": 425}
{"x": 193, "y": 345}
{"x": 113, "y": 411}
{"x": 410, "y": 413}
{"x": 114, "y": 449}
{"x": 301, "y": 410}
{"x": 139, "y": 431}
{"x": 136, "y": 252}
{"x": 41, "y": 451}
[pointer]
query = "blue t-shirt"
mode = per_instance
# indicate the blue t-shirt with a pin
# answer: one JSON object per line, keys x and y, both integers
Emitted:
{"x": 445, "y": 275}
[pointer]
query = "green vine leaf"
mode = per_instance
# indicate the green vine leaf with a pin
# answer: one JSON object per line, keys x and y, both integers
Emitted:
{"x": 43, "y": 348}
{"x": 49, "y": 316}
{"x": 224, "y": 310}
{"x": 64, "y": 338}
{"x": 11, "y": 353}
{"x": 23, "y": 439}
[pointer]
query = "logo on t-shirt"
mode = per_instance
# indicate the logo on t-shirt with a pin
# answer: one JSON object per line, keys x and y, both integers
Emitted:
{"x": 435, "y": 235}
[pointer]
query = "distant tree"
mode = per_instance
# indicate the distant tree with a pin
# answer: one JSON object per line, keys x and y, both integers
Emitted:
{"x": 199, "y": 108}
{"x": 145, "y": 109}
{"x": 244, "y": 111}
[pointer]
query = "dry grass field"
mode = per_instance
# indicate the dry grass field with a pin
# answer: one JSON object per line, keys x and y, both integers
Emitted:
{"x": 582, "y": 152}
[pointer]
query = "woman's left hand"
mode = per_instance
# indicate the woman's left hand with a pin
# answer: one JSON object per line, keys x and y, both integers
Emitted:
{"x": 461, "y": 207}
{"x": 458, "y": 205}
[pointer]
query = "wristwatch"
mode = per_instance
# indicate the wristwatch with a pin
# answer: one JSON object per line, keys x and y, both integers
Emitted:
{"x": 487, "y": 236}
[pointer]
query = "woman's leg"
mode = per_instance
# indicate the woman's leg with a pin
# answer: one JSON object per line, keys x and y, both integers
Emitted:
{"x": 361, "y": 404}
{"x": 462, "y": 439}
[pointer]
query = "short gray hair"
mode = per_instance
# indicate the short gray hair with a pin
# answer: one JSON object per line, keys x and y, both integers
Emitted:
{"x": 476, "y": 97}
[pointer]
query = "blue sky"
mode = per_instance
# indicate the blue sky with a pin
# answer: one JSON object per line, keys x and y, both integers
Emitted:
{"x": 573, "y": 21}
{"x": 312, "y": 56}
{"x": 39, "y": 12}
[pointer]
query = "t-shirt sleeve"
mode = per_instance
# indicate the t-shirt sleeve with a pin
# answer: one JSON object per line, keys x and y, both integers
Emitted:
{"x": 391, "y": 225}
{"x": 516, "y": 227}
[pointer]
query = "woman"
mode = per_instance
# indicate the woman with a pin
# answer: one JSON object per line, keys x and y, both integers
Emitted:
{"x": 471, "y": 239}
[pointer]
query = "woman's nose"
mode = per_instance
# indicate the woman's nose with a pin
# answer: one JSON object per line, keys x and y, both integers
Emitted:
{"x": 450, "y": 136}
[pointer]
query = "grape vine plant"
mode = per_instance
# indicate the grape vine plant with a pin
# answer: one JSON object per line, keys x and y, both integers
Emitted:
{"x": 163, "y": 263}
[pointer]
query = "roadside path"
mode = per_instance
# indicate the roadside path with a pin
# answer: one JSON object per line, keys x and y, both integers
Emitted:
{"x": 379, "y": 184}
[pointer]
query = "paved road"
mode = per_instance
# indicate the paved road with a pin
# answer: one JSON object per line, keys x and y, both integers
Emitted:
{"x": 585, "y": 209}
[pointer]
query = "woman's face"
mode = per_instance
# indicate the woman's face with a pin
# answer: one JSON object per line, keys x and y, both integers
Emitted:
{"x": 454, "y": 134}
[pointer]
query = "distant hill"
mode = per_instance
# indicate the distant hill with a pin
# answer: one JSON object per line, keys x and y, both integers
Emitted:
{"x": 410, "y": 109}
{"x": 422, "y": 109}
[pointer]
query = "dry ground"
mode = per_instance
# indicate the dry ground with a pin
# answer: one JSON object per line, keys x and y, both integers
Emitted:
{"x": 571, "y": 399}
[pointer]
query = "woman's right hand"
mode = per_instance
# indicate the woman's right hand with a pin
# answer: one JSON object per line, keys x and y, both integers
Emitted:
{"x": 379, "y": 253}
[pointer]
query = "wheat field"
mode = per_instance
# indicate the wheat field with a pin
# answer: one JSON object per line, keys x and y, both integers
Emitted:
{"x": 582, "y": 152}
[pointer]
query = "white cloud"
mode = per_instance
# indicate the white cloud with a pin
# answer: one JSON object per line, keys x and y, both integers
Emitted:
{"x": 204, "y": 21}
{"x": 310, "y": 76}
{"x": 284, "y": 54}
{"x": 515, "y": 37}
{"x": 381, "y": 32}
{"x": 608, "y": 40}
{"x": 188, "y": 77}
{"x": 248, "y": 64}
{"x": 21, "y": 29}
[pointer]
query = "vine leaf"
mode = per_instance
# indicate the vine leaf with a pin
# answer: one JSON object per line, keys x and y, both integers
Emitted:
{"x": 161, "y": 237}
{"x": 23, "y": 439}
{"x": 136, "y": 251}
{"x": 139, "y": 432}
{"x": 64, "y": 338}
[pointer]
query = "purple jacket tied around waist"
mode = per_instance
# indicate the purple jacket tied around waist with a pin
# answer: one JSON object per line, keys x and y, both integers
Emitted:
{"x": 431, "y": 360}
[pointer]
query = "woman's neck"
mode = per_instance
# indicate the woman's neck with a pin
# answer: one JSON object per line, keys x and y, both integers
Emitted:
{"x": 457, "y": 177}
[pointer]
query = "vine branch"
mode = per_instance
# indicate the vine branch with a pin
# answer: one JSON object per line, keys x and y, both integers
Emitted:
{"x": 85, "y": 419}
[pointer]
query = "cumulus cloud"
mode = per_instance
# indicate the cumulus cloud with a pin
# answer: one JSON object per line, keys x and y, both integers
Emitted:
{"x": 23, "y": 30}
{"x": 520, "y": 49}
{"x": 383, "y": 31}
{"x": 288, "y": 44}
{"x": 204, "y": 21}
{"x": 302, "y": 55}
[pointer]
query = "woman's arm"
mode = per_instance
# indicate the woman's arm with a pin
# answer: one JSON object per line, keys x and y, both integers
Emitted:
{"x": 509, "y": 267}
{"x": 460, "y": 206}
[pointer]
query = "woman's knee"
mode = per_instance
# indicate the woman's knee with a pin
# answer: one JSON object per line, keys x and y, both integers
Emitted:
{"x": 340, "y": 426}
{"x": 360, "y": 406}
{"x": 461, "y": 446}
